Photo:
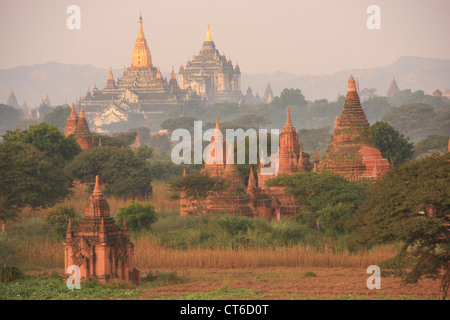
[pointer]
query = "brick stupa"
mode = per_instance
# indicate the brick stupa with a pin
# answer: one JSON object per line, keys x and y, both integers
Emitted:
{"x": 78, "y": 126}
{"x": 233, "y": 199}
{"x": 352, "y": 152}
{"x": 98, "y": 246}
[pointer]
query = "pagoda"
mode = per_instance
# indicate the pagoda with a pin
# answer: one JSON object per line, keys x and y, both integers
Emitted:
{"x": 142, "y": 90}
{"x": 211, "y": 75}
{"x": 79, "y": 128}
{"x": 220, "y": 163}
{"x": 352, "y": 152}
{"x": 98, "y": 246}
{"x": 393, "y": 89}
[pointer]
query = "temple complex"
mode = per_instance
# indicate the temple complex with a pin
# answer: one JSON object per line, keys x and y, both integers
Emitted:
{"x": 141, "y": 90}
{"x": 78, "y": 126}
{"x": 220, "y": 163}
{"x": 98, "y": 246}
{"x": 352, "y": 152}
{"x": 211, "y": 75}
{"x": 255, "y": 199}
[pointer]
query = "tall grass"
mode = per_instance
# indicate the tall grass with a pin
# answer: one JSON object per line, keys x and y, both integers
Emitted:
{"x": 193, "y": 242}
{"x": 150, "y": 254}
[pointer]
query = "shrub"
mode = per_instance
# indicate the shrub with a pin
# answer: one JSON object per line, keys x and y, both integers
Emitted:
{"x": 8, "y": 274}
{"x": 138, "y": 216}
{"x": 57, "y": 219}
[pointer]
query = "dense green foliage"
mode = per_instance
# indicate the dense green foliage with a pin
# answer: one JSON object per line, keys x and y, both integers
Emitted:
{"x": 28, "y": 178}
{"x": 327, "y": 201}
{"x": 398, "y": 209}
{"x": 197, "y": 185}
{"x": 290, "y": 97}
{"x": 57, "y": 219}
{"x": 418, "y": 120}
{"x": 393, "y": 145}
{"x": 138, "y": 216}
{"x": 9, "y": 115}
{"x": 120, "y": 170}
{"x": 47, "y": 138}
{"x": 224, "y": 231}
{"x": 58, "y": 117}
{"x": 431, "y": 144}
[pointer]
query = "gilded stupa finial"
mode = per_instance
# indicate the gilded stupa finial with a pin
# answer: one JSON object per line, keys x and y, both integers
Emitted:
{"x": 208, "y": 34}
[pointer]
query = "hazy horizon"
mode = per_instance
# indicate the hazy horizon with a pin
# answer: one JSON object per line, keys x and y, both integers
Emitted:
{"x": 300, "y": 37}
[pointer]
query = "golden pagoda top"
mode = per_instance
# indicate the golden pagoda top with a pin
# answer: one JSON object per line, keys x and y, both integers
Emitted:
{"x": 141, "y": 57}
{"x": 110, "y": 76}
{"x": 208, "y": 35}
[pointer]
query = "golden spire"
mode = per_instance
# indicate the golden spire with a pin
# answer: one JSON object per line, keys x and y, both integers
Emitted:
{"x": 110, "y": 76}
{"x": 141, "y": 57}
{"x": 208, "y": 34}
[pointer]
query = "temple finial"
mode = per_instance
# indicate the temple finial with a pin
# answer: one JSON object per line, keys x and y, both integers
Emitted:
{"x": 288, "y": 118}
{"x": 97, "y": 190}
{"x": 208, "y": 34}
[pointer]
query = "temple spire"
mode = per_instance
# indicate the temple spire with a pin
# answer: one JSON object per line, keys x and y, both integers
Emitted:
{"x": 97, "y": 190}
{"x": 208, "y": 34}
{"x": 288, "y": 119}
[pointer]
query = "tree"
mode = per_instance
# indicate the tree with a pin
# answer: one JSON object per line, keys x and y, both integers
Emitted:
{"x": 314, "y": 191}
{"x": 393, "y": 145}
{"x": 177, "y": 123}
{"x": 28, "y": 178}
{"x": 196, "y": 186}
{"x": 144, "y": 152}
{"x": 137, "y": 216}
{"x": 57, "y": 219}
{"x": 122, "y": 172}
{"x": 47, "y": 138}
{"x": 327, "y": 200}
{"x": 411, "y": 119}
{"x": 431, "y": 144}
{"x": 58, "y": 116}
{"x": 411, "y": 205}
{"x": 290, "y": 97}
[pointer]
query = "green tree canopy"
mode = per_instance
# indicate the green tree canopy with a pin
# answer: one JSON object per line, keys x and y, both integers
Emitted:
{"x": 28, "y": 177}
{"x": 411, "y": 204}
{"x": 393, "y": 145}
{"x": 47, "y": 138}
{"x": 290, "y": 97}
{"x": 137, "y": 216}
{"x": 327, "y": 200}
{"x": 431, "y": 144}
{"x": 196, "y": 185}
{"x": 58, "y": 117}
{"x": 315, "y": 191}
{"x": 122, "y": 172}
{"x": 57, "y": 219}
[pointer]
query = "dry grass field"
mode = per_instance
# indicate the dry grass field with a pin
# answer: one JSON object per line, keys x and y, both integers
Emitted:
{"x": 286, "y": 272}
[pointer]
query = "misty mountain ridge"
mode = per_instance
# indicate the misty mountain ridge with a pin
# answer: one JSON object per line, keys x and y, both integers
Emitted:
{"x": 67, "y": 82}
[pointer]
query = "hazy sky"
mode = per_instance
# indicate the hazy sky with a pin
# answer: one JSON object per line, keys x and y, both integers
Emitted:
{"x": 298, "y": 36}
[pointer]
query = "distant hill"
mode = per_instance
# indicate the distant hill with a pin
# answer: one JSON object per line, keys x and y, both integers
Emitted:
{"x": 65, "y": 81}
{"x": 410, "y": 73}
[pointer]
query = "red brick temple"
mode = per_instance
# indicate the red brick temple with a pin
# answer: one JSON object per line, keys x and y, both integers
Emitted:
{"x": 352, "y": 152}
{"x": 98, "y": 246}
{"x": 78, "y": 126}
